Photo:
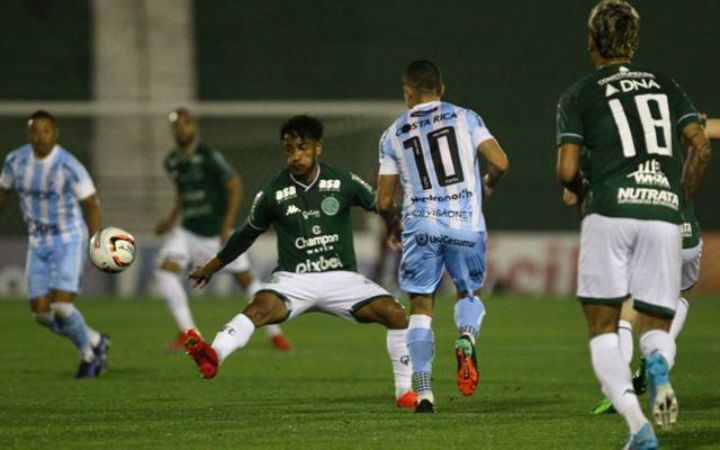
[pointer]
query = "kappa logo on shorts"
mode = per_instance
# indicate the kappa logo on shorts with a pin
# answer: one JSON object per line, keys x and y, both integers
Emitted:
{"x": 292, "y": 209}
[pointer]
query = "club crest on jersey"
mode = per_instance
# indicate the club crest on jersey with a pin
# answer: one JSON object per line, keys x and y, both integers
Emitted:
{"x": 285, "y": 193}
{"x": 330, "y": 206}
{"x": 329, "y": 185}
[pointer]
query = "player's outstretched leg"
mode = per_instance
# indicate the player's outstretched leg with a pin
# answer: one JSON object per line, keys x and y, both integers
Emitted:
{"x": 171, "y": 289}
{"x": 469, "y": 312}
{"x": 251, "y": 285}
{"x": 388, "y": 312}
{"x": 658, "y": 346}
{"x": 265, "y": 308}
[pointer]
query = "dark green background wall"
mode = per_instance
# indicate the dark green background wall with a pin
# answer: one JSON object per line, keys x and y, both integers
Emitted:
{"x": 507, "y": 60}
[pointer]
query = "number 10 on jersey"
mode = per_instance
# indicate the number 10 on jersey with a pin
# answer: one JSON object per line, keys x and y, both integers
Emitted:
{"x": 444, "y": 154}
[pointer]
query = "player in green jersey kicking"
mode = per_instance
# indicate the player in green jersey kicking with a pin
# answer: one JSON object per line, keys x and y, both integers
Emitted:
{"x": 629, "y": 120}
{"x": 208, "y": 198}
{"x": 309, "y": 205}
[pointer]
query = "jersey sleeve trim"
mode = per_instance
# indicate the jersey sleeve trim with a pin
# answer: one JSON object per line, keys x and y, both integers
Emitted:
{"x": 570, "y": 138}
{"x": 687, "y": 118}
{"x": 255, "y": 226}
{"x": 388, "y": 169}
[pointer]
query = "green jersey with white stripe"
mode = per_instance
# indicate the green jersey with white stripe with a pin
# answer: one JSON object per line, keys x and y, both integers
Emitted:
{"x": 628, "y": 120}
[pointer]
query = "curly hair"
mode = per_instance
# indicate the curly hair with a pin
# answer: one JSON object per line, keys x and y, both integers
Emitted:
{"x": 615, "y": 28}
{"x": 303, "y": 126}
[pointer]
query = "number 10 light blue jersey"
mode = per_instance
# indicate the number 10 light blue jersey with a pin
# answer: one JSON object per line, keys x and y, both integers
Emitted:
{"x": 433, "y": 148}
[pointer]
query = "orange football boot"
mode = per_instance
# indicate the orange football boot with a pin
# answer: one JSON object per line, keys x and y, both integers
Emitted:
{"x": 202, "y": 353}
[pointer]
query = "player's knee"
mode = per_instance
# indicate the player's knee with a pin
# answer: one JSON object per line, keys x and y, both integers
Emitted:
{"x": 244, "y": 279}
{"x": 168, "y": 266}
{"x": 44, "y": 318}
{"x": 397, "y": 319}
{"x": 265, "y": 309}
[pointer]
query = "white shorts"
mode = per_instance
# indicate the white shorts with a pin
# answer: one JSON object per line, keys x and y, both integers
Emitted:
{"x": 338, "y": 292}
{"x": 184, "y": 247}
{"x": 622, "y": 257}
{"x": 690, "y": 266}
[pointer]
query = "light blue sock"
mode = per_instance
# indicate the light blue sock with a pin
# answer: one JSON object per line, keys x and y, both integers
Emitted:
{"x": 469, "y": 313}
{"x": 72, "y": 325}
{"x": 48, "y": 320}
{"x": 420, "y": 343}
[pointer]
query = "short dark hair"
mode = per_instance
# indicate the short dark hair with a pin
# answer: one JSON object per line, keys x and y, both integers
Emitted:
{"x": 41, "y": 114}
{"x": 303, "y": 126}
{"x": 181, "y": 111}
{"x": 615, "y": 28}
{"x": 423, "y": 76}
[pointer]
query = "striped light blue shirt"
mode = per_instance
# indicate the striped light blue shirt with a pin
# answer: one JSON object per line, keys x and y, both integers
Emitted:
{"x": 49, "y": 190}
{"x": 433, "y": 148}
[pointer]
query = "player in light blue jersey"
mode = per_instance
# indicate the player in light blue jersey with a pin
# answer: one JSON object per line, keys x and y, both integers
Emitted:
{"x": 433, "y": 152}
{"x": 53, "y": 187}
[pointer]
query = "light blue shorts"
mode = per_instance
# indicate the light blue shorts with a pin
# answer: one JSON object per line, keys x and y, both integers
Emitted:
{"x": 55, "y": 266}
{"x": 429, "y": 249}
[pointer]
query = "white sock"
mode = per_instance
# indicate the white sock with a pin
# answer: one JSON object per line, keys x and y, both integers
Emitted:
{"x": 171, "y": 289}
{"x": 659, "y": 341}
{"x": 679, "y": 320}
{"x": 625, "y": 337}
{"x": 616, "y": 380}
{"x": 93, "y": 336}
{"x": 233, "y": 336}
{"x": 400, "y": 359}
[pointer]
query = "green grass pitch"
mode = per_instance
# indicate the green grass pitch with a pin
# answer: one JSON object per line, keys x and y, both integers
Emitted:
{"x": 335, "y": 389}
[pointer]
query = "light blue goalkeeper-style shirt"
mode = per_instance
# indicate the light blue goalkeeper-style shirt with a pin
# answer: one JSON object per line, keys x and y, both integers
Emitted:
{"x": 49, "y": 190}
{"x": 433, "y": 148}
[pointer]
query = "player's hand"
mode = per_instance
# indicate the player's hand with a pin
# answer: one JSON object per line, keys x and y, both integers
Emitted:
{"x": 569, "y": 198}
{"x": 487, "y": 189}
{"x": 394, "y": 237}
{"x": 163, "y": 226}
{"x": 200, "y": 276}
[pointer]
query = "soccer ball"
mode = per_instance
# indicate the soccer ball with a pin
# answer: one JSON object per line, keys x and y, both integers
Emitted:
{"x": 112, "y": 250}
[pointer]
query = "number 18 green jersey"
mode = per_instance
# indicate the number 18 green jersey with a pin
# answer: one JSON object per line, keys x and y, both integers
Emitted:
{"x": 628, "y": 120}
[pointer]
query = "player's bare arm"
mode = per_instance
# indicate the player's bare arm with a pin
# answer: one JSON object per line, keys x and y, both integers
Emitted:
{"x": 698, "y": 158}
{"x": 568, "y": 169}
{"x": 497, "y": 164}
{"x": 91, "y": 210}
{"x": 234, "y": 189}
{"x": 569, "y": 198}
{"x": 712, "y": 128}
{"x": 236, "y": 245}
{"x": 165, "y": 224}
{"x": 387, "y": 184}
